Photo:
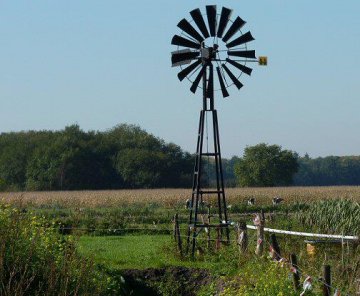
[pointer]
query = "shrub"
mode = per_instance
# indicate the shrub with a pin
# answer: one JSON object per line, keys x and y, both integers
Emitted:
{"x": 36, "y": 260}
{"x": 261, "y": 277}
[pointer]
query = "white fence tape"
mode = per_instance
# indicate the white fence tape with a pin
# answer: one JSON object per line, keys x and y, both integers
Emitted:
{"x": 307, "y": 234}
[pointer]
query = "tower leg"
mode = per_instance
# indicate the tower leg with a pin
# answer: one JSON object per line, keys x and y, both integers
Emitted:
{"x": 195, "y": 196}
{"x": 219, "y": 173}
{"x": 198, "y": 190}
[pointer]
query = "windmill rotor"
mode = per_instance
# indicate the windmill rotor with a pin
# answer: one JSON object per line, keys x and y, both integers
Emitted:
{"x": 212, "y": 41}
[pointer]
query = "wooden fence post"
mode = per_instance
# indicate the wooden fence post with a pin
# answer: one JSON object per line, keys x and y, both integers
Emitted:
{"x": 260, "y": 234}
{"x": 218, "y": 238}
{"x": 174, "y": 230}
{"x": 177, "y": 235}
{"x": 276, "y": 254}
{"x": 296, "y": 272}
{"x": 358, "y": 287}
{"x": 208, "y": 233}
{"x": 242, "y": 238}
{"x": 327, "y": 280}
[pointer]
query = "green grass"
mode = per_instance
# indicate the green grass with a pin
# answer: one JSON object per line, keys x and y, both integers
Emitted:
{"x": 157, "y": 251}
{"x": 133, "y": 252}
{"x": 150, "y": 247}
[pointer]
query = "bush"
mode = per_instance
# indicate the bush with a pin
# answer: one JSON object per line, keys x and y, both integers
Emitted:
{"x": 261, "y": 277}
{"x": 36, "y": 260}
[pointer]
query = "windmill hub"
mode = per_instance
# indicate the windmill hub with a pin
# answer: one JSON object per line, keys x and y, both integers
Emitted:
{"x": 208, "y": 54}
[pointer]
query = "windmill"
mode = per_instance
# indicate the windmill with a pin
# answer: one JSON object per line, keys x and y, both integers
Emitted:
{"x": 220, "y": 47}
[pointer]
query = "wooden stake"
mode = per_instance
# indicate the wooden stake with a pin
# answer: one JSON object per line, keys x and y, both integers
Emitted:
{"x": 207, "y": 229}
{"x": 296, "y": 272}
{"x": 177, "y": 233}
{"x": 260, "y": 235}
{"x": 242, "y": 238}
{"x": 327, "y": 280}
{"x": 218, "y": 239}
{"x": 358, "y": 287}
{"x": 174, "y": 221}
{"x": 275, "y": 247}
{"x": 208, "y": 233}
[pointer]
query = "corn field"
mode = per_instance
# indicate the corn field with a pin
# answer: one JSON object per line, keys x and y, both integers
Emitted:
{"x": 170, "y": 198}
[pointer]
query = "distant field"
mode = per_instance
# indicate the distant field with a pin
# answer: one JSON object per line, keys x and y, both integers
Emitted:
{"x": 171, "y": 198}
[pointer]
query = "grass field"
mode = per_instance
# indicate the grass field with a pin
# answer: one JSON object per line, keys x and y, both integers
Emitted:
{"x": 141, "y": 252}
{"x": 127, "y": 230}
{"x": 133, "y": 252}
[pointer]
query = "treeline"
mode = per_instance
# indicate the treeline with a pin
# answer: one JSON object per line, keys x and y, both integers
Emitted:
{"x": 71, "y": 159}
{"x": 128, "y": 157}
{"x": 330, "y": 170}
{"x": 321, "y": 171}
{"x": 261, "y": 167}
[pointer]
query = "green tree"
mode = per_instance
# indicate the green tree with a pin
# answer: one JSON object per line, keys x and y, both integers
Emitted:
{"x": 266, "y": 166}
{"x": 16, "y": 149}
{"x": 72, "y": 159}
{"x": 140, "y": 167}
{"x": 326, "y": 171}
{"x": 209, "y": 171}
{"x": 143, "y": 160}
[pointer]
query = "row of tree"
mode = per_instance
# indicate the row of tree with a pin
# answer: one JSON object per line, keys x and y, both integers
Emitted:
{"x": 128, "y": 157}
{"x": 269, "y": 165}
{"x": 325, "y": 171}
{"x": 265, "y": 165}
{"x": 123, "y": 157}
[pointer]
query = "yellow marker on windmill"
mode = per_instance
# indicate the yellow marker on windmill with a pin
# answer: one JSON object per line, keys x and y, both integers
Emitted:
{"x": 263, "y": 61}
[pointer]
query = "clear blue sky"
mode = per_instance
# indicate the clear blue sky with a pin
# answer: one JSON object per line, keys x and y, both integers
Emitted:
{"x": 101, "y": 63}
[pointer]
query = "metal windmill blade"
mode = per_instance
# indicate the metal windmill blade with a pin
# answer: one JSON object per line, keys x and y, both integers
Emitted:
{"x": 189, "y": 29}
{"x": 224, "y": 20}
{"x": 241, "y": 67}
{"x": 235, "y": 27}
{"x": 181, "y": 41}
{"x": 222, "y": 84}
{"x": 199, "y": 20}
{"x": 232, "y": 77}
{"x": 185, "y": 72}
{"x": 247, "y": 37}
{"x": 250, "y": 54}
{"x": 183, "y": 56}
{"x": 196, "y": 82}
{"x": 211, "y": 16}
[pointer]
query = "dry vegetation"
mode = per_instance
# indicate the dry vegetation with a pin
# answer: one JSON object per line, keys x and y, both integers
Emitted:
{"x": 172, "y": 197}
